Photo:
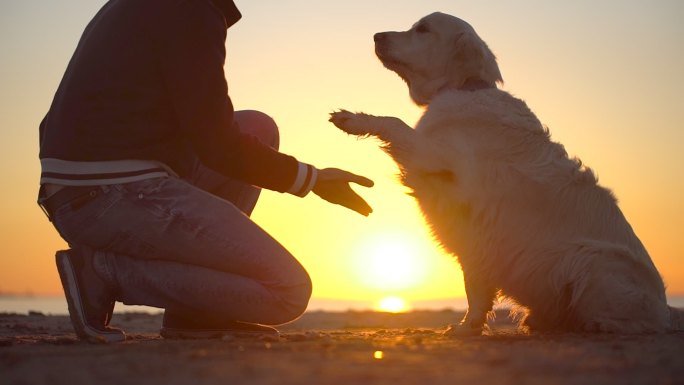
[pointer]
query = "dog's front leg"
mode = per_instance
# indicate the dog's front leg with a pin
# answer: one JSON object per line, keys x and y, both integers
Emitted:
{"x": 390, "y": 130}
{"x": 480, "y": 297}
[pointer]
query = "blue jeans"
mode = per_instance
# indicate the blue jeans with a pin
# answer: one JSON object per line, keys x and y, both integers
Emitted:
{"x": 189, "y": 246}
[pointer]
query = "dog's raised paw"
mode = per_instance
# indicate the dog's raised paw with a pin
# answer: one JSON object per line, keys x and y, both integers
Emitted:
{"x": 340, "y": 118}
{"x": 348, "y": 122}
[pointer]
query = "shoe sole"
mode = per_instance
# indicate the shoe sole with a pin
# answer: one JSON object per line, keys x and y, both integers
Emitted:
{"x": 185, "y": 334}
{"x": 67, "y": 275}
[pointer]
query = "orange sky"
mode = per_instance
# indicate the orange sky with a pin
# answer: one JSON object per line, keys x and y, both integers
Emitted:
{"x": 604, "y": 78}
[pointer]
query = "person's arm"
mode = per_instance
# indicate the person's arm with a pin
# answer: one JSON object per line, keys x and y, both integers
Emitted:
{"x": 192, "y": 56}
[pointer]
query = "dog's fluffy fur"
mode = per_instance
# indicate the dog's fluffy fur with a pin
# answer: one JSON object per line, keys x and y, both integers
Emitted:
{"x": 523, "y": 218}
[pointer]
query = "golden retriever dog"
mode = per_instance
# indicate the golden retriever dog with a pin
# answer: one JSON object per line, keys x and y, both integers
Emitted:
{"x": 525, "y": 220}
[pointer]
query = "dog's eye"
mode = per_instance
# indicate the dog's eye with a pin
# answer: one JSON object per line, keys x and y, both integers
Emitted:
{"x": 422, "y": 28}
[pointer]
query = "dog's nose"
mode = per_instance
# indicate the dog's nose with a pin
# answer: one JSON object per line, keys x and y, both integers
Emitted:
{"x": 381, "y": 36}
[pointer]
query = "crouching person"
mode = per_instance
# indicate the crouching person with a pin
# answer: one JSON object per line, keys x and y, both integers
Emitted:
{"x": 150, "y": 176}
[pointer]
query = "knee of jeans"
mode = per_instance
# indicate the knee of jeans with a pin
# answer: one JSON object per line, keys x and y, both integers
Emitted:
{"x": 260, "y": 125}
{"x": 294, "y": 301}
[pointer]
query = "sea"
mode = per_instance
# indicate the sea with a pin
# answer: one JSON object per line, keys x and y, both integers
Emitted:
{"x": 56, "y": 305}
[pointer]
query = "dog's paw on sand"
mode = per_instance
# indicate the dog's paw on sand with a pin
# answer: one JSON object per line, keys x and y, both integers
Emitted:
{"x": 462, "y": 330}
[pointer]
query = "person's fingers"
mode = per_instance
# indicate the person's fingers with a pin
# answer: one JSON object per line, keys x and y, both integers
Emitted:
{"x": 339, "y": 192}
{"x": 333, "y": 185}
{"x": 358, "y": 179}
{"x": 338, "y": 174}
{"x": 358, "y": 204}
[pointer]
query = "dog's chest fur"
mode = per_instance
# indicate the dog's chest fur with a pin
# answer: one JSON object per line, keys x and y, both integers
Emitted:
{"x": 485, "y": 174}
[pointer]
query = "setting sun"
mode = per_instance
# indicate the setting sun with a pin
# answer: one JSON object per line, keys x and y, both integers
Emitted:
{"x": 392, "y": 305}
{"x": 390, "y": 261}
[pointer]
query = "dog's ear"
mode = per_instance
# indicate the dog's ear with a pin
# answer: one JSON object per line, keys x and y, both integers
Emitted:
{"x": 472, "y": 58}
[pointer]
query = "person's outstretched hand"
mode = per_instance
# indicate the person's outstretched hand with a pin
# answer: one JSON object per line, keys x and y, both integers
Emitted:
{"x": 333, "y": 186}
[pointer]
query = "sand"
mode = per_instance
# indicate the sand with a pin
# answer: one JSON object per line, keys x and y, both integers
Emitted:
{"x": 335, "y": 348}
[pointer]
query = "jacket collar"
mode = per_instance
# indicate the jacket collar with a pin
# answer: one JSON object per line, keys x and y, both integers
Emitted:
{"x": 229, "y": 10}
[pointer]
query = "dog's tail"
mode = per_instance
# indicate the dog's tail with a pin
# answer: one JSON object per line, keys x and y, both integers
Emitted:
{"x": 676, "y": 319}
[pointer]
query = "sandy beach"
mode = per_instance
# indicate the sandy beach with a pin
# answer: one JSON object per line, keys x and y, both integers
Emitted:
{"x": 354, "y": 347}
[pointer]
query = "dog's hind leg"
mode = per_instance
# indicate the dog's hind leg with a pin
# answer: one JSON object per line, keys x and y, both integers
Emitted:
{"x": 617, "y": 292}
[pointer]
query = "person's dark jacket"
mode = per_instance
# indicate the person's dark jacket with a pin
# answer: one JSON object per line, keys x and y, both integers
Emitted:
{"x": 147, "y": 82}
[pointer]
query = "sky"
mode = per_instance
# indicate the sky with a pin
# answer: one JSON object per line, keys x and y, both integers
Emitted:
{"x": 605, "y": 77}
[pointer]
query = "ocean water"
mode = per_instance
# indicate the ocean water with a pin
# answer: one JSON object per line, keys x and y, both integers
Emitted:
{"x": 57, "y": 305}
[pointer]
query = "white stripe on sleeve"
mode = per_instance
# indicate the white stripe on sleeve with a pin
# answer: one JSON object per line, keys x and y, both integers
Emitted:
{"x": 305, "y": 180}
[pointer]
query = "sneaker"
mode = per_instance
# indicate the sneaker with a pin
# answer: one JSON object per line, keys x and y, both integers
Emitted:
{"x": 90, "y": 301}
{"x": 180, "y": 327}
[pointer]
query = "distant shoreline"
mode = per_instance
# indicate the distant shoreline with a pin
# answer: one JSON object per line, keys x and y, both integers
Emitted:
{"x": 56, "y": 305}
